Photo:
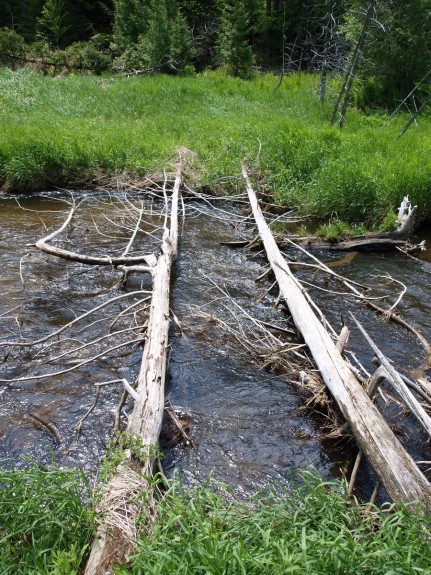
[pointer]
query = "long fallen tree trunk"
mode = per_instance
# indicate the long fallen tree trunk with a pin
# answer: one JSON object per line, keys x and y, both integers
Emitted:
{"x": 122, "y": 500}
{"x": 393, "y": 465}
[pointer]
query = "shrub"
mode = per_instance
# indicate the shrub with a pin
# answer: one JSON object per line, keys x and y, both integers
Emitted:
{"x": 85, "y": 55}
{"x": 12, "y": 49}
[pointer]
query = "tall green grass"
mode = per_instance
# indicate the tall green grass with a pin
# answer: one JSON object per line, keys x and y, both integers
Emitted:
{"x": 44, "y": 525}
{"x": 68, "y": 131}
{"x": 314, "y": 530}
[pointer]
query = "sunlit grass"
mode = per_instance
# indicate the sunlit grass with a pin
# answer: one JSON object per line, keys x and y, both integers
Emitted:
{"x": 68, "y": 131}
{"x": 314, "y": 530}
{"x": 44, "y": 525}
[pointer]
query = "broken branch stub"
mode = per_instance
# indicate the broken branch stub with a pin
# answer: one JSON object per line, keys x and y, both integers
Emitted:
{"x": 393, "y": 465}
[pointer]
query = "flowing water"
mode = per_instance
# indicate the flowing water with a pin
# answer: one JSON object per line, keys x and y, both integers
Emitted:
{"x": 246, "y": 423}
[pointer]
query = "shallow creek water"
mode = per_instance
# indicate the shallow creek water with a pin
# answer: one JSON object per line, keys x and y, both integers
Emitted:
{"x": 245, "y": 422}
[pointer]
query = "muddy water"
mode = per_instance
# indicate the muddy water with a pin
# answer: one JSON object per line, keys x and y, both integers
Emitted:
{"x": 245, "y": 423}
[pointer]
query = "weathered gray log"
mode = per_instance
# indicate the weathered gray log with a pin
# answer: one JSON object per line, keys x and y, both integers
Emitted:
{"x": 363, "y": 243}
{"x": 113, "y": 541}
{"x": 393, "y": 465}
{"x": 398, "y": 384}
{"x": 379, "y": 240}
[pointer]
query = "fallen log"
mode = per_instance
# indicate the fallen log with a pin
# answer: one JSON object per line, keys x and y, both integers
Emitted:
{"x": 121, "y": 505}
{"x": 398, "y": 238}
{"x": 363, "y": 243}
{"x": 398, "y": 384}
{"x": 393, "y": 465}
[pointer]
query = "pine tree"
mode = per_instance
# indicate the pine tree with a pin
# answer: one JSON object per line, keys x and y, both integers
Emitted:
{"x": 130, "y": 22}
{"x": 234, "y": 49}
{"x": 181, "y": 42}
{"x": 156, "y": 42}
{"x": 51, "y": 25}
{"x": 165, "y": 45}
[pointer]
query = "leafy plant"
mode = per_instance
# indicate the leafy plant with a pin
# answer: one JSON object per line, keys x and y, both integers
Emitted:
{"x": 116, "y": 453}
{"x": 313, "y": 529}
{"x": 45, "y": 526}
{"x": 12, "y": 48}
{"x": 337, "y": 230}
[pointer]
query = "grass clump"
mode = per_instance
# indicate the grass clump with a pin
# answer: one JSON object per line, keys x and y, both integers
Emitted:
{"x": 45, "y": 526}
{"x": 314, "y": 529}
{"x": 205, "y": 529}
{"x": 67, "y": 131}
{"x": 337, "y": 230}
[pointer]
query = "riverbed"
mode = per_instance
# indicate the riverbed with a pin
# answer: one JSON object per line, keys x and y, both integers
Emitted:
{"x": 247, "y": 424}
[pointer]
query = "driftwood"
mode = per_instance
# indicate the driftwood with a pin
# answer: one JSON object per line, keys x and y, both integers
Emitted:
{"x": 398, "y": 384}
{"x": 43, "y": 245}
{"x": 398, "y": 238}
{"x": 388, "y": 314}
{"x": 393, "y": 465}
{"x": 114, "y": 537}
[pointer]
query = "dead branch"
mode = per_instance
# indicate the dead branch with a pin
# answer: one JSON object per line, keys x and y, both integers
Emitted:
{"x": 71, "y": 323}
{"x": 77, "y": 366}
{"x": 80, "y": 423}
{"x": 401, "y": 388}
{"x": 48, "y": 425}
{"x": 393, "y": 316}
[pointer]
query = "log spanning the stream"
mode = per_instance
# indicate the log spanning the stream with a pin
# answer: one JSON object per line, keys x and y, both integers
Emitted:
{"x": 122, "y": 500}
{"x": 393, "y": 465}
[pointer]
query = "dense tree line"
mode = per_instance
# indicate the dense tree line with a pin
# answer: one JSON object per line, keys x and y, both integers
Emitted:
{"x": 176, "y": 36}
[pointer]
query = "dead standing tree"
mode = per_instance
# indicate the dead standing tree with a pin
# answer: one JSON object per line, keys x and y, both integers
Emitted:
{"x": 346, "y": 88}
{"x": 392, "y": 464}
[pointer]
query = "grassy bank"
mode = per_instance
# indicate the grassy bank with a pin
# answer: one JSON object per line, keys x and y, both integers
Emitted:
{"x": 44, "y": 526}
{"x": 69, "y": 131}
{"x": 314, "y": 529}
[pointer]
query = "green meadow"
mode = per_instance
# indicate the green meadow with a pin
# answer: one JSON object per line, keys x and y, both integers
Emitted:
{"x": 74, "y": 131}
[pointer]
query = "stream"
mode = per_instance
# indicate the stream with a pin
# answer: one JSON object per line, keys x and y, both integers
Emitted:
{"x": 247, "y": 424}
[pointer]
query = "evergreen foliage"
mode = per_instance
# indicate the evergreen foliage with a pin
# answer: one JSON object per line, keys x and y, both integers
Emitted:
{"x": 400, "y": 54}
{"x": 12, "y": 48}
{"x": 181, "y": 42}
{"x": 165, "y": 46}
{"x": 129, "y": 22}
{"x": 234, "y": 49}
{"x": 52, "y": 24}
{"x": 298, "y": 36}
{"x": 156, "y": 42}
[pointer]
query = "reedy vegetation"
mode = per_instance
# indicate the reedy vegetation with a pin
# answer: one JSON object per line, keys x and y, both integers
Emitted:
{"x": 45, "y": 527}
{"x": 68, "y": 131}
{"x": 313, "y": 529}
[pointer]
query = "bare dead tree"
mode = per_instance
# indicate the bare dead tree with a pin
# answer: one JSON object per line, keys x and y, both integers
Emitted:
{"x": 346, "y": 88}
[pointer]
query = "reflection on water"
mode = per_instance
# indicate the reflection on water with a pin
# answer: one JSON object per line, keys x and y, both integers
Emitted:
{"x": 246, "y": 423}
